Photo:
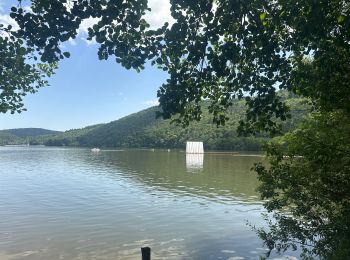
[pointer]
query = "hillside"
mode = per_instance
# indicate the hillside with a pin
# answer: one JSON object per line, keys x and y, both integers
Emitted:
{"x": 142, "y": 129}
{"x": 27, "y": 132}
{"x": 24, "y": 135}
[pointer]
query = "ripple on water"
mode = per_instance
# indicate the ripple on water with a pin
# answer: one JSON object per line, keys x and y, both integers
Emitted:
{"x": 70, "y": 204}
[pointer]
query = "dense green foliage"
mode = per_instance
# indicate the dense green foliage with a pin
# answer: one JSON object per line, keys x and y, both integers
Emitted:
{"x": 215, "y": 52}
{"x": 309, "y": 178}
{"x": 248, "y": 48}
{"x": 19, "y": 74}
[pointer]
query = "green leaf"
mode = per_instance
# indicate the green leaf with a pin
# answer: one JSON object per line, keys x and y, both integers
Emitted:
{"x": 340, "y": 18}
{"x": 263, "y": 16}
{"x": 66, "y": 54}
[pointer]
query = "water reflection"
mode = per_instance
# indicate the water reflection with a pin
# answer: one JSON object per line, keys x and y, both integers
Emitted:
{"x": 223, "y": 177}
{"x": 194, "y": 161}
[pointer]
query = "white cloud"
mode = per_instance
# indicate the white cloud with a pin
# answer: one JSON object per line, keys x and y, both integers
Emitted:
{"x": 28, "y": 9}
{"x": 72, "y": 42}
{"x": 83, "y": 29}
{"x": 160, "y": 13}
{"x": 151, "y": 102}
{"x": 7, "y": 20}
{"x": 86, "y": 24}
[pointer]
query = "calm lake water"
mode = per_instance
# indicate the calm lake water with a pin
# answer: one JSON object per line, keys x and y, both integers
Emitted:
{"x": 60, "y": 203}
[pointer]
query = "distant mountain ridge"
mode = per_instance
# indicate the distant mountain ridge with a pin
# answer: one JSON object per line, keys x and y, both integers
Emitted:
{"x": 26, "y": 132}
{"x": 144, "y": 130}
{"x": 24, "y": 135}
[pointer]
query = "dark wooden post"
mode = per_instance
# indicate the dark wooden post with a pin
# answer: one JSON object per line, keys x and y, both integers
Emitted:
{"x": 146, "y": 253}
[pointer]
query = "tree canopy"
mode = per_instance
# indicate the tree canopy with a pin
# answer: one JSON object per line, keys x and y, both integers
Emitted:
{"x": 215, "y": 50}
{"x": 18, "y": 75}
{"x": 218, "y": 51}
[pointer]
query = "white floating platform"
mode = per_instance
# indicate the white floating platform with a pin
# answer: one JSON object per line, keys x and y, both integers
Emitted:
{"x": 194, "y": 147}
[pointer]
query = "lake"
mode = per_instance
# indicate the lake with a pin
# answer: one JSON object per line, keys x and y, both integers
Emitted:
{"x": 63, "y": 203}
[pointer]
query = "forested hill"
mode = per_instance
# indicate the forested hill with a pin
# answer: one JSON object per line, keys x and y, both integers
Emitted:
{"x": 26, "y": 132}
{"x": 24, "y": 135}
{"x": 142, "y": 129}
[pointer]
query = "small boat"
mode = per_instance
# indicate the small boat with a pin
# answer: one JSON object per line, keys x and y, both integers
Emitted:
{"x": 95, "y": 150}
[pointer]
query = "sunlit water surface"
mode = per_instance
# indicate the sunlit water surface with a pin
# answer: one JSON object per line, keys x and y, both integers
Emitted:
{"x": 60, "y": 203}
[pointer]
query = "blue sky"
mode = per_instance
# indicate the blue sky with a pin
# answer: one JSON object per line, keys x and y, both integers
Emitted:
{"x": 86, "y": 91}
